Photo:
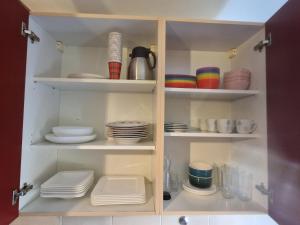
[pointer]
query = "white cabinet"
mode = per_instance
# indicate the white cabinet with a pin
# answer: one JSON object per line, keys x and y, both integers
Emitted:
{"x": 181, "y": 47}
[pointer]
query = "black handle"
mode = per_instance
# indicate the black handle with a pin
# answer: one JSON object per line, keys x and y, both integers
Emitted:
{"x": 154, "y": 60}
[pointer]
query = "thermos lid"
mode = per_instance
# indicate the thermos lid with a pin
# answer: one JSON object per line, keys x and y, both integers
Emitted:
{"x": 140, "y": 52}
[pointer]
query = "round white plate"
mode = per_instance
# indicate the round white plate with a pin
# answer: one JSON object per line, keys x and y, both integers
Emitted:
{"x": 86, "y": 76}
{"x": 72, "y": 131}
{"x": 198, "y": 191}
{"x": 69, "y": 140}
{"x": 127, "y": 124}
{"x": 127, "y": 141}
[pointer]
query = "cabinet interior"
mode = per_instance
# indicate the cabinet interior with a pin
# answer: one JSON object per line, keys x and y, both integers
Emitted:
{"x": 189, "y": 45}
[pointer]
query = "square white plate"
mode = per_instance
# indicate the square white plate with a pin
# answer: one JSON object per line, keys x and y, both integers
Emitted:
{"x": 119, "y": 186}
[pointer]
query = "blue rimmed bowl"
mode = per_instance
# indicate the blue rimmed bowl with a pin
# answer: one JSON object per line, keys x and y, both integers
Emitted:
{"x": 200, "y": 169}
{"x": 200, "y": 182}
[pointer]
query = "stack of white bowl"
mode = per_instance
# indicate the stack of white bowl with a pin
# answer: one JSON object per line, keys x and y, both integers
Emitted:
{"x": 71, "y": 135}
{"x": 68, "y": 184}
{"x": 119, "y": 190}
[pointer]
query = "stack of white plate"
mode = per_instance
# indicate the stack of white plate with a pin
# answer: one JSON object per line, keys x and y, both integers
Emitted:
{"x": 119, "y": 190}
{"x": 128, "y": 132}
{"x": 199, "y": 191}
{"x": 176, "y": 127}
{"x": 68, "y": 184}
{"x": 71, "y": 135}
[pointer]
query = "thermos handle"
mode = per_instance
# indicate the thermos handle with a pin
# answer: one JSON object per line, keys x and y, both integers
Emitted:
{"x": 154, "y": 60}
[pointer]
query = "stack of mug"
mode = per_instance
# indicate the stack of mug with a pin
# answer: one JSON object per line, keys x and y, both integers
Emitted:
{"x": 227, "y": 126}
{"x": 114, "y": 54}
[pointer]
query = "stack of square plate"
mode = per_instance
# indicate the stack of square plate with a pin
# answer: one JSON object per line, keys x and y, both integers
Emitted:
{"x": 68, "y": 184}
{"x": 118, "y": 190}
{"x": 176, "y": 127}
{"x": 128, "y": 132}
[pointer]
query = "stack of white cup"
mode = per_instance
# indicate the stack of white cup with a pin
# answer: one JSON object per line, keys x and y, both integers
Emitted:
{"x": 115, "y": 47}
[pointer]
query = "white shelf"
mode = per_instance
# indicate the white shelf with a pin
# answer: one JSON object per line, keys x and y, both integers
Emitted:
{"x": 186, "y": 203}
{"x": 104, "y": 85}
{"x": 217, "y": 136}
{"x": 209, "y": 94}
{"x": 83, "y": 207}
{"x": 95, "y": 145}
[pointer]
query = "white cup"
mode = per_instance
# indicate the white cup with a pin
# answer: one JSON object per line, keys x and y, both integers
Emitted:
{"x": 245, "y": 126}
{"x": 225, "y": 126}
{"x": 211, "y": 125}
{"x": 202, "y": 125}
{"x": 115, "y": 47}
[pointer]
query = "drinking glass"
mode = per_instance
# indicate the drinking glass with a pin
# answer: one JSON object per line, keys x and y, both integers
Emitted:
{"x": 245, "y": 186}
{"x": 227, "y": 181}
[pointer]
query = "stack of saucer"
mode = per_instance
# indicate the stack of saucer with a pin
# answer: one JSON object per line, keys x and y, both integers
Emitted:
{"x": 68, "y": 184}
{"x": 199, "y": 191}
{"x": 71, "y": 135}
{"x": 175, "y": 127}
{"x": 119, "y": 190}
{"x": 128, "y": 132}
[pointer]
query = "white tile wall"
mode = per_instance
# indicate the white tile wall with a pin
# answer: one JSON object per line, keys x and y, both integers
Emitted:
{"x": 37, "y": 220}
{"x": 138, "y": 220}
{"x": 87, "y": 221}
{"x": 192, "y": 220}
{"x": 148, "y": 220}
{"x": 233, "y": 220}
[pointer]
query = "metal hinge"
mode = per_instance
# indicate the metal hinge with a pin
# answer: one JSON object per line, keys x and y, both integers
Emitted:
{"x": 22, "y": 192}
{"x": 25, "y": 32}
{"x": 264, "y": 191}
{"x": 259, "y": 47}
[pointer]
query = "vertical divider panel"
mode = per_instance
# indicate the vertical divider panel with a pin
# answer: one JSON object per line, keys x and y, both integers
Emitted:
{"x": 158, "y": 107}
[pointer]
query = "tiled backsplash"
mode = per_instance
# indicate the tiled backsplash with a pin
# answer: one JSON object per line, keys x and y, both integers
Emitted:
{"x": 148, "y": 220}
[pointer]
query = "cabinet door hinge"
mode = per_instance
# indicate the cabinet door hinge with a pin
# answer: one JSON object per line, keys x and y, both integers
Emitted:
{"x": 25, "y": 32}
{"x": 22, "y": 192}
{"x": 264, "y": 43}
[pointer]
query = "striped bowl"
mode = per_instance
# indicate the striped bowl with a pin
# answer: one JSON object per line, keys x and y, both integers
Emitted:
{"x": 208, "y": 77}
{"x": 180, "y": 81}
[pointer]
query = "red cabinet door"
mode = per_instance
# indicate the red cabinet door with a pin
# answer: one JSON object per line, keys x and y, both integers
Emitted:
{"x": 12, "y": 80}
{"x": 283, "y": 107}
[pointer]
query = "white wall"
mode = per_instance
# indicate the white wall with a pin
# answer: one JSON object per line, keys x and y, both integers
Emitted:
{"x": 254, "y": 10}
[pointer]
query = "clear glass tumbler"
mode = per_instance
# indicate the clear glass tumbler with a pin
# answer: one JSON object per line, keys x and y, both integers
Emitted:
{"x": 227, "y": 181}
{"x": 245, "y": 186}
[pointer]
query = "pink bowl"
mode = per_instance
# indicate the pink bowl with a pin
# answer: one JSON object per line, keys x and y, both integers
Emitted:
{"x": 237, "y": 85}
{"x": 238, "y": 73}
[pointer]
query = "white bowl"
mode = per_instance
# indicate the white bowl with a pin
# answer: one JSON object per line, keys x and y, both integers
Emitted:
{"x": 200, "y": 166}
{"x": 69, "y": 140}
{"x": 68, "y": 131}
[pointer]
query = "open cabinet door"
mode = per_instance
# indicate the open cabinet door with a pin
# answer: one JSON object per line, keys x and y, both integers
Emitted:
{"x": 13, "y": 66}
{"x": 283, "y": 106}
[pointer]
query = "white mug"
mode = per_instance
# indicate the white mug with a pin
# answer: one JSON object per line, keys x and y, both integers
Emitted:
{"x": 245, "y": 126}
{"x": 211, "y": 125}
{"x": 202, "y": 125}
{"x": 225, "y": 126}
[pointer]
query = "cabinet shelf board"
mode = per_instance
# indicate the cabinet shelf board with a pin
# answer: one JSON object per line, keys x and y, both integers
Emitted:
{"x": 208, "y": 36}
{"x": 83, "y": 207}
{"x": 189, "y": 204}
{"x": 95, "y": 145}
{"x": 209, "y": 136}
{"x": 103, "y": 85}
{"x": 92, "y": 30}
{"x": 209, "y": 94}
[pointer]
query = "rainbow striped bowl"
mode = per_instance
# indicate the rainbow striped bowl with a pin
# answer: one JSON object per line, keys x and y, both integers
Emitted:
{"x": 180, "y": 81}
{"x": 208, "y": 77}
